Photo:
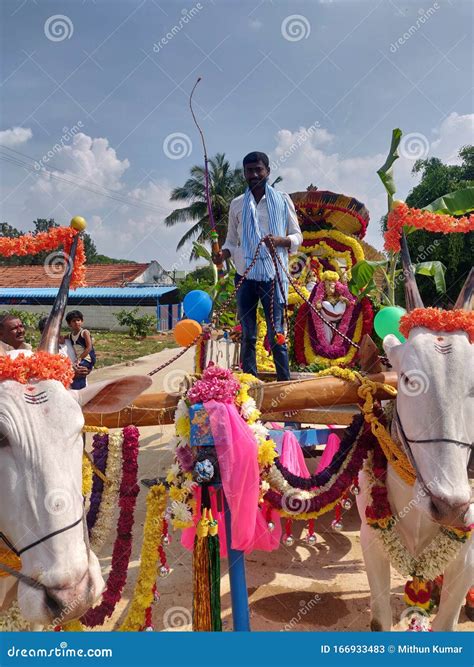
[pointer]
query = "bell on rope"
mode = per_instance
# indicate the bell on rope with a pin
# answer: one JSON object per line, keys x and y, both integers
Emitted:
{"x": 311, "y": 539}
{"x": 271, "y": 526}
{"x": 149, "y": 628}
{"x": 164, "y": 571}
{"x": 346, "y": 504}
{"x": 337, "y": 525}
{"x": 288, "y": 540}
{"x": 355, "y": 490}
{"x": 165, "y": 540}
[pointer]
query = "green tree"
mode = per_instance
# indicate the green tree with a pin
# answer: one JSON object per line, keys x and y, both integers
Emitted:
{"x": 454, "y": 250}
{"x": 225, "y": 184}
{"x": 200, "y": 278}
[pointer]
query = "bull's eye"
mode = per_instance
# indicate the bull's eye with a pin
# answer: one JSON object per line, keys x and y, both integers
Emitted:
{"x": 3, "y": 440}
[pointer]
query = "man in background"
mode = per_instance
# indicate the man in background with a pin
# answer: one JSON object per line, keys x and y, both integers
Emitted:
{"x": 12, "y": 333}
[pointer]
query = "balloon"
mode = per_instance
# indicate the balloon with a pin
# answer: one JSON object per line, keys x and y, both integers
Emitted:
{"x": 197, "y": 305}
{"x": 78, "y": 223}
{"x": 186, "y": 331}
{"x": 387, "y": 321}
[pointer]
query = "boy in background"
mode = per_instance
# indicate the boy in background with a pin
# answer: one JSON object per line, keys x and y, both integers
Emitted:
{"x": 81, "y": 340}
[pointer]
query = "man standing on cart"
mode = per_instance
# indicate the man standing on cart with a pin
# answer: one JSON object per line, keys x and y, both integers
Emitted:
{"x": 261, "y": 213}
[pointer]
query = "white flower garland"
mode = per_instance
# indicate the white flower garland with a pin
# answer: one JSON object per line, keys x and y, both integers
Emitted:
{"x": 12, "y": 620}
{"x": 110, "y": 493}
{"x": 432, "y": 561}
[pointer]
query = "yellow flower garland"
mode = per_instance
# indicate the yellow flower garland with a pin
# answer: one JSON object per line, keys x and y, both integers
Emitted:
{"x": 152, "y": 531}
{"x": 143, "y": 593}
{"x": 86, "y": 475}
{"x": 330, "y": 252}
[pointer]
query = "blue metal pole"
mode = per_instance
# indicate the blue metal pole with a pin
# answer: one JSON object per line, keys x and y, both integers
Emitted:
{"x": 238, "y": 583}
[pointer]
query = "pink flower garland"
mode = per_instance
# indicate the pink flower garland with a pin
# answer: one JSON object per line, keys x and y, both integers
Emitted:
{"x": 338, "y": 347}
{"x": 216, "y": 384}
{"x": 123, "y": 542}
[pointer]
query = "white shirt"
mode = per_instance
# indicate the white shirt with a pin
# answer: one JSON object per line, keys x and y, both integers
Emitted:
{"x": 66, "y": 349}
{"x": 233, "y": 242}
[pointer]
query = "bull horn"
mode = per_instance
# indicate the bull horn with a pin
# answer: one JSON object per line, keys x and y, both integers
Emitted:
{"x": 50, "y": 338}
{"x": 412, "y": 295}
{"x": 465, "y": 300}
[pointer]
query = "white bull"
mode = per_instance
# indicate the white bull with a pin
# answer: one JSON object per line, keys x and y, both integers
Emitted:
{"x": 434, "y": 424}
{"x": 41, "y": 505}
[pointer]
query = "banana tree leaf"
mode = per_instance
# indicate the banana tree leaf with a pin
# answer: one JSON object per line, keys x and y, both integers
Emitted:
{"x": 459, "y": 202}
{"x": 385, "y": 171}
{"x": 202, "y": 251}
{"x": 436, "y": 270}
{"x": 363, "y": 273}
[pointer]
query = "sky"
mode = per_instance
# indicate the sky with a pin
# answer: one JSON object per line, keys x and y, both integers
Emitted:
{"x": 94, "y": 115}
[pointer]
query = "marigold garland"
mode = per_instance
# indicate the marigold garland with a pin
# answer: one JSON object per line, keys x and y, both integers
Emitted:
{"x": 48, "y": 241}
{"x": 403, "y": 216}
{"x": 436, "y": 319}
{"x": 86, "y": 475}
{"x": 40, "y": 365}
{"x": 152, "y": 530}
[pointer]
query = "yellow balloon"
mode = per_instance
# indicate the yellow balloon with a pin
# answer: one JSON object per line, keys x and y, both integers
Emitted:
{"x": 78, "y": 223}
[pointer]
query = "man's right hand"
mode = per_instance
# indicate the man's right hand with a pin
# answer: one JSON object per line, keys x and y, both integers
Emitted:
{"x": 219, "y": 257}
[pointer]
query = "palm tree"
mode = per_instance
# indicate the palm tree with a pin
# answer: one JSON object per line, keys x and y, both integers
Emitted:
{"x": 225, "y": 184}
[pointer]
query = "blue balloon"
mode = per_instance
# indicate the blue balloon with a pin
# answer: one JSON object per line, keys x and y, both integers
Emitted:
{"x": 197, "y": 305}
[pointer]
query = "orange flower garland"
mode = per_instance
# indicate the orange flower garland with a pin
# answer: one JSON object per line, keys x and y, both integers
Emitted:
{"x": 38, "y": 366}
{"x": 402, "y": 215}
{"x": 50, "y": 240}
{"x": 438, "y": 320}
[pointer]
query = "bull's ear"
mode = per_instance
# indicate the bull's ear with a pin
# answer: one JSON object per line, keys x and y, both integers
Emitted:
{"x": 392, "y": 347}
{"x": 111, "y": 395}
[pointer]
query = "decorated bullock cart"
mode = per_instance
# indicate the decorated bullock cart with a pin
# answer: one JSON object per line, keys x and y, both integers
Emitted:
{"x": 238, "y": 481}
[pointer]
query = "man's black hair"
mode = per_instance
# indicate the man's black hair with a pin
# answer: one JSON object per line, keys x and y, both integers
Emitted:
{"x": 42, "y": 324}
{"x": 74, "y": 315}
{"x": 5, "y": 317}
{"x": 256, "y": 156}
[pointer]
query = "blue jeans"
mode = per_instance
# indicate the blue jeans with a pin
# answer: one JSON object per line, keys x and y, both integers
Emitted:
{"x": 248, "y": 296}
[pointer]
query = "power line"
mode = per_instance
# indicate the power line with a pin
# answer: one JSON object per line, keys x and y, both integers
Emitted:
{"x": 73, "y": 179}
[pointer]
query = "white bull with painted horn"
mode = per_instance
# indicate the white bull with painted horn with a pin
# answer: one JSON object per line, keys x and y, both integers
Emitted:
{"x": 434, "y": 425}
{"x": 41, "y": 504}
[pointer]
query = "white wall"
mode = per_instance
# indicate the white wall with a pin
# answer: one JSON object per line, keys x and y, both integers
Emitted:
{"x": 95, "y": 317}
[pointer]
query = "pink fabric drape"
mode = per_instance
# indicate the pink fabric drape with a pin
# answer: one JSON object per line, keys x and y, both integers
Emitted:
{"x": 330, "y": 450}
{"x": 237, "y": 454}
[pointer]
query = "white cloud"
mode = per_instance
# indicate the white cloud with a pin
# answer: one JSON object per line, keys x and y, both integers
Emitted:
{"x": 455, "y": 131}
{"x": 255, "y": 24}
{"x": 118, "y": 228}
{"x": 15, "y": 136}
{"x": 311, "y": 160}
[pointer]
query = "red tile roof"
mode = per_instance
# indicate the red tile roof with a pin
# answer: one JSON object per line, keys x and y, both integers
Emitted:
{"x": 97, "y": 275}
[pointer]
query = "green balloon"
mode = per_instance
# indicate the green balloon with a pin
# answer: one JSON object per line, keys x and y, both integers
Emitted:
{"x": 387, "y": 321}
